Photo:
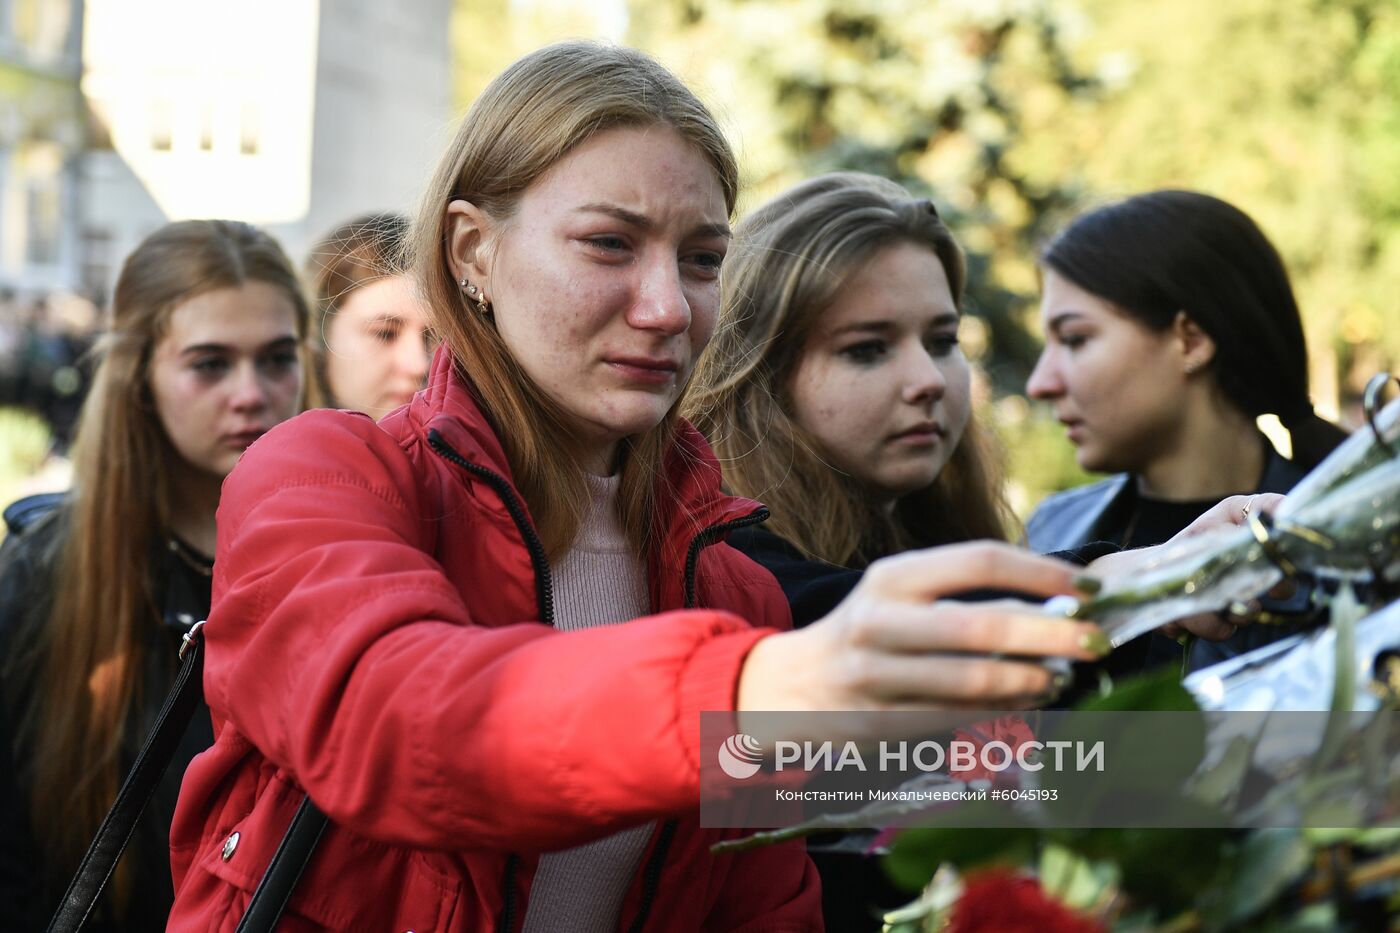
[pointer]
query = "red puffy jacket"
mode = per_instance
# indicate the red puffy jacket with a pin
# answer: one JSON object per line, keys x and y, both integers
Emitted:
{"x": 376, "y": 640}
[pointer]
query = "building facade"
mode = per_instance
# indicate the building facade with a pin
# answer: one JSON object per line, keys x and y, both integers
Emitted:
{"x": 290, "y": 114}
{"x": 41, "y": 143}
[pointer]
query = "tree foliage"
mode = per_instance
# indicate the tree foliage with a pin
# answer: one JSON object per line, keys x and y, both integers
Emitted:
{"x": 1015, "y": 114}
{"x": 931, "y": 95}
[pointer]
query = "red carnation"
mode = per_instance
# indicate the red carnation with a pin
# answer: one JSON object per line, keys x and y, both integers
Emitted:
{"x": 1009, "y": 729}
{"x": 998, "y": 901}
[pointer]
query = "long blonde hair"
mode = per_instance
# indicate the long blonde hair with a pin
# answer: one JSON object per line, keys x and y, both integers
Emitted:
{"x": 789, "y": 260}
{"x": 90, "y": 652}
{"x": 531, "y": 116}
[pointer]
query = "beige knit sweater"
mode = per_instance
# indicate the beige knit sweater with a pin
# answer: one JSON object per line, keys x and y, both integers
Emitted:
{"x": 599, "y": 581}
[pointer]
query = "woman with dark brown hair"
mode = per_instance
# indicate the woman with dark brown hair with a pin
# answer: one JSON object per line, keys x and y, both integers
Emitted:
{"x": 97, "y": 589}
{"x": 1170, "y": 327}
{"x": 370, "y": 339}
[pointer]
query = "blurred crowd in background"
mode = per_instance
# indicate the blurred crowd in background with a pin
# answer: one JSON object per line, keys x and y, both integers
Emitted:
{"x": 44, "y": 360}
{"x": 45, "y": 365}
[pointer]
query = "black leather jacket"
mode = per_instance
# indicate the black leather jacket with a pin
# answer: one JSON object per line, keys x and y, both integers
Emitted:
{"x": 1076, "y": 517}
{"x": 30, "y": 888}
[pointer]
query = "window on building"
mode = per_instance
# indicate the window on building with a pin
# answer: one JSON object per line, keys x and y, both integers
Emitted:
{"x": 206, "y": 128}
{"x": 45, "y": 27}
{"x": 249, "y": 130}
{"x": 162, "y": 125}
{"x": 40, "y": 184}
{"x": 97, "y": 263}
{"x": 24, "y": 21}
{"x": 43, "y": 216}
{"x": 7, "y": 166}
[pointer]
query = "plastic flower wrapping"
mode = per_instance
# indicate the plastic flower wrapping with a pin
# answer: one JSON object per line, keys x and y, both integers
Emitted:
{"x": 1306, "y": 717}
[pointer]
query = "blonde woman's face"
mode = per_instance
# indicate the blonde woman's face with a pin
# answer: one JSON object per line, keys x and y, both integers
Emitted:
{"x": 377, "y": 346}
{"x": 226, "y": 372}
{"x": 882, "y": 384}
{"x": 604, "y": 284}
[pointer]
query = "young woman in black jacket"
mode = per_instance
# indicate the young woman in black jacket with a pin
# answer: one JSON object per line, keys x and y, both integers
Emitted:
{"x": 98, "y": 586}
{"x": 1170, "y": 327}
{"x": 836, "y": 392}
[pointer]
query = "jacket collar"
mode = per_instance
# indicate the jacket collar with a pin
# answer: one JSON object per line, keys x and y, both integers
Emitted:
{"x": 1081, "y": 523}
{"x": 1280, "y": 475}
{"x": 1077, "y": 514}
{"x": 448, "y": 406}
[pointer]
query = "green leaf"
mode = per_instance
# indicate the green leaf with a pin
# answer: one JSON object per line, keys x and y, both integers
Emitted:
{"x": 1378, "y": 839}
{"x": 1269, "y": 861}
{"x": 1220, "y": 784}
{"x": 1345, "y": 611}
{"x": 1166, "y": 869}
{"x": 1315, "y": 918}
{"x": 1160, "y": 692}
{"x": 1320, "y": 837}
{"x": 1070, "y": 877}
{"x": 930, "y": 909}
{"x": 1148, "y": 759}
{"x": 918, "y": 853}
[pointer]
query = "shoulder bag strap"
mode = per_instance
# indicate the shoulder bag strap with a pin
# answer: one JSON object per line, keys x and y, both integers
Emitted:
{"x": 283, "y": 872}
{"x": 116, "y": 830}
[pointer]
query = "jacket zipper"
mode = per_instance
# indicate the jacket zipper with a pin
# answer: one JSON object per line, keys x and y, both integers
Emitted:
{"x": 506, "y": 923}
{"x": 544, "y": 585}
{"x": 651, "y": 876}
{"x": 544, "y": 596}
{"x": 544, "y": 592}
{"x": 707, "y": 537}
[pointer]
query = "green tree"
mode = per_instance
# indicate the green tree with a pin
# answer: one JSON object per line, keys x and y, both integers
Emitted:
{"x": 1291, "y": 111}
{"x": 931, "y": 95}
{"x": 487, "y": 35}
{"x": 1015, "y": 114}
{"x": 935, "y": 96}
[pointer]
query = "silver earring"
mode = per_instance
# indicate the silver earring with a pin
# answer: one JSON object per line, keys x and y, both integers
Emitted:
{"x": 476, "y": 295}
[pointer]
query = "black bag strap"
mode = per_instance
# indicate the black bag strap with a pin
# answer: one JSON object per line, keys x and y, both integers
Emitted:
{"x": 283, "y": 872}
{"x": 95, "y": 870}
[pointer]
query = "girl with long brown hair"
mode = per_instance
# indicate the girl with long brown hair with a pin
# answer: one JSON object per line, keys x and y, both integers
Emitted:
{"x": 478, "y": 634}
{"x": 836, "y": 391}
{"x": 202, "y": 358}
